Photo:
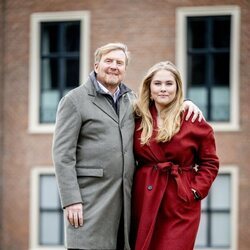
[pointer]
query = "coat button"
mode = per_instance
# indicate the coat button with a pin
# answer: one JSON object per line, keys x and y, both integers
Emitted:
{"x": 150, "y": 187}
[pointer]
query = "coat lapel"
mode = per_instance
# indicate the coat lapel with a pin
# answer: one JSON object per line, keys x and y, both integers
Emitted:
{"x": 125, "y": 107}
{"x": 100, "y": 101}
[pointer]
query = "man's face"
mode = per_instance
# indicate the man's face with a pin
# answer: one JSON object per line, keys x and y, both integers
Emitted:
{"x": 111, "y": 69}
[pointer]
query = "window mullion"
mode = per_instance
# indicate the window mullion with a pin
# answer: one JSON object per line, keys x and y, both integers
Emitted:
{"x": 61, "y": 61}
{"x": 209, "y": 224}
{"x": 209, "y": 70}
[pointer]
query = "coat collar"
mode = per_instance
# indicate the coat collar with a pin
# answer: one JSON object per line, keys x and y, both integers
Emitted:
{"x": 98, "y": 99}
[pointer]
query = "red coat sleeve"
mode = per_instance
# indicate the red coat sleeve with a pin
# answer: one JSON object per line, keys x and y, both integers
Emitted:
{"x": 208, "y": 163}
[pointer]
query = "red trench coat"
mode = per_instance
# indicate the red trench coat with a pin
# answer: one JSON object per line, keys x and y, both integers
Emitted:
{"x": 165, "y": 215}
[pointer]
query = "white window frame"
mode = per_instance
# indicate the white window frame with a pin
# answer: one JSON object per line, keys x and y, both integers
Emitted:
{"x": 34, "y": 68}
{"x": 34, "y": 208}
{"x": 234, "y": 185}
{"x": 181, "y": 37}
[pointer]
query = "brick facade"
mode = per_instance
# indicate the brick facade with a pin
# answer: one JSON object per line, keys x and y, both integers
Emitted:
{"x": 148, "y": 28}
{"x": 1, "y": 108}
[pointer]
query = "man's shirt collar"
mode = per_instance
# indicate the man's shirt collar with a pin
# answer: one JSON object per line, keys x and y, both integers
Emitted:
{"x": 114, "y": 96}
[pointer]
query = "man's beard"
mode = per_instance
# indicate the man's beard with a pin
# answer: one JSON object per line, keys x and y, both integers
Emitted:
{"x": 112, "y": 80}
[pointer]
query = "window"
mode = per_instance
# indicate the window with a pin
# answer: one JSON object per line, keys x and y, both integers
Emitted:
{"x": 59, "y": 60}
{"x": 218, "y": 228}
{"x": 51, "y": 215}
{"x": 47, "y": 228}
{"x": 58, "y": 63}
{"x": 207, "y": 56}
{"x": 208, "y": 53}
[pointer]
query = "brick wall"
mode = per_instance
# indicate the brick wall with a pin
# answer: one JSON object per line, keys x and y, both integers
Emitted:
{"x": 1, "y": 108}
{"x": 148, "y": 28}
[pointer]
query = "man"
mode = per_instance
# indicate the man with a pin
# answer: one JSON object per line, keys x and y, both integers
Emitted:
{"x": 93, "y": 154}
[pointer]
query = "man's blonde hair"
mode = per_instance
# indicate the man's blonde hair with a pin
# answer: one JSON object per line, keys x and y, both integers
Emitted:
{"x": 110, "y": 47}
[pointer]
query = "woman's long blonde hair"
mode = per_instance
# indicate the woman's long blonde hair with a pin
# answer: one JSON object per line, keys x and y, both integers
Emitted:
{"x": 171, "y": 115}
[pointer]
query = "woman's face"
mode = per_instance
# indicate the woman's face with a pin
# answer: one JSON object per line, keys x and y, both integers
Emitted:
{"x": 163, "y": 88}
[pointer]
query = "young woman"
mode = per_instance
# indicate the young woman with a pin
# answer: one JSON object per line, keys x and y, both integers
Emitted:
{"x": 177, "y": 164}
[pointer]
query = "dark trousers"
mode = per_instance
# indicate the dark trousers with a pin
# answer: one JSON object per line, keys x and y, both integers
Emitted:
{"x": 120, "y": 235}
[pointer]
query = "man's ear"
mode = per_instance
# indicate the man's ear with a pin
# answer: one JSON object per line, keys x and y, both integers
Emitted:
{"x": 96, "y": 67}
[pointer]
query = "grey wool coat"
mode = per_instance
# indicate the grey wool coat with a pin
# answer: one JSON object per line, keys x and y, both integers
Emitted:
{"x": 94, "y": 163}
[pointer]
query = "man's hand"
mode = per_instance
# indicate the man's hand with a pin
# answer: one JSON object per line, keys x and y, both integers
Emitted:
{"x": 192, "y": 109}
{"x": 75, "y": 214}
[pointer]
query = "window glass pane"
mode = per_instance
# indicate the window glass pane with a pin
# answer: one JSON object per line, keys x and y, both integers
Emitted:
{"x": 49, "y": 37}
{"x": 50, "y": 92}
{"x": 198, "y": 30}
{"x": 72, "y": 37}
{"x": 49, "y": 101}
{"x": 220, "y": 230}
{"x": 49, "y": 73}
{"x": 220, "y": 192}
{"x": 221, "y": 32}
{"x": 201, "y": 239}
{"x": 197, "y": 70}
{"x": 199, "y": 97}
{"x": 221, "y": 69}
{"x": 220, "y": 104}
{"x": 49, "y": 198}
{"x": 50, "y": 228}
{"x": 72, "y": 73}
{"x": 204, "y": 204}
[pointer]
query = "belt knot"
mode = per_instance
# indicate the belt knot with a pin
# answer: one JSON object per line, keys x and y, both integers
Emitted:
{"x": 175, "y": 171}
{"x": 169, "y": 167}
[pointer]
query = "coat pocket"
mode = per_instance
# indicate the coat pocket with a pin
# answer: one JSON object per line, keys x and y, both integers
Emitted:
{"x": 187, "y": 183}
{"x": 89, "y": 171}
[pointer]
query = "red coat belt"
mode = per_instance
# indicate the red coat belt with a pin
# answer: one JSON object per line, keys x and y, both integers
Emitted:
{"x": 174, "y": 170}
